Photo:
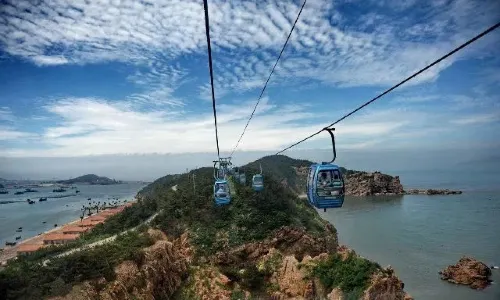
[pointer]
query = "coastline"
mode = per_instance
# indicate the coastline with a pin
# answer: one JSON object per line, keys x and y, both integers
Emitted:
{"x": 11, "y": 252}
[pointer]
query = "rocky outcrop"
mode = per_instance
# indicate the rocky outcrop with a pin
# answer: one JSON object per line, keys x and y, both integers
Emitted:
{"x": 208, "y": 284}
{"x": 385, "y": 285}
{"x": 376, "y": 183}
{"x": 159, "y": 273}
{"x": 432, "y": 192}
{"x": 468, "y": 271}
{"x": 288, "y": 240}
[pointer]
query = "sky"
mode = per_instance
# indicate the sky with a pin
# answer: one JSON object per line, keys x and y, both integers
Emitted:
{"x": 112, "y": 83}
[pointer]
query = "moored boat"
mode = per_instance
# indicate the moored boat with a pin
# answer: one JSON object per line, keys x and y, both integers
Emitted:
{"x": 42, "y": 199}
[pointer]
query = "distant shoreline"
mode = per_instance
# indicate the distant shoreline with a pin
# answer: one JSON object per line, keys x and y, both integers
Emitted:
{"x": 10, "y": 252}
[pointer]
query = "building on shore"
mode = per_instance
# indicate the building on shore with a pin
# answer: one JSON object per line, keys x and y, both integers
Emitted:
{"x": 59, "y": 238}
{"x": 28, "y": 248}
{"x": 89, "y": 223}
{"x": 73, "y": 229}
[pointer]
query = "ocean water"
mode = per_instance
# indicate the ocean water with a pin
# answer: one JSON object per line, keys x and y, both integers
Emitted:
{"x": 54, "y": 210}
{"x": 420, "y": 235}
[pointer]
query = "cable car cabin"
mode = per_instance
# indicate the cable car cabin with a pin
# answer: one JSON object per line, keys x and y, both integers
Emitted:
{"x": 325, "y": 186}
{"x": 222, "y": 193}
{"x": 257, "y": 182}
{"x": 243, "y": 178}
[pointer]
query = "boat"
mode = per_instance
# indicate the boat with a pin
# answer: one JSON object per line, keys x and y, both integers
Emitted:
{"x": 28, "y": 190}
{"x": 18, "y": 193}
{"x": 19, "y": 230}
{"x": 31, "y": 201}
{"x": 44, "y": 222}
{"x": 4, "y": 192}
{"x": 73, "y": 187}
{"x": 77, "y": 191}
{"x": 59, "y": 190}
{"x": 89, "y": 199}
{"x": 10, "y": 243}
{"x": 42, "y": 199}
{"x": 55, "y": 225}
{"x": 18, "y": 237}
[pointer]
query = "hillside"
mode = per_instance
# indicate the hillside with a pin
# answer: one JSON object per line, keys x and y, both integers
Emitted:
{"x": 90, "y": 179}
{"x": 293, "y": 174}
{"x": 265, "y": 245}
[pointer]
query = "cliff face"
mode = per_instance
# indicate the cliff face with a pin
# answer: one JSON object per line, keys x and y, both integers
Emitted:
{"x": 376, "y": 183}
{"x": 159, "y": 274}
{"x": 359, "y": 183}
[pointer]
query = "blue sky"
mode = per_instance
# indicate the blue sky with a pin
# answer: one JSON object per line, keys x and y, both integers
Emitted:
{"x": 81, "y": 78}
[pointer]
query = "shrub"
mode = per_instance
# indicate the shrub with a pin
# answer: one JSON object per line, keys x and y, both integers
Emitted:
{"x": 350, "y": 275}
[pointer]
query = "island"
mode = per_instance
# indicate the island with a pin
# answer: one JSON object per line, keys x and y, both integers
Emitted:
{"x": 90, "y": 179}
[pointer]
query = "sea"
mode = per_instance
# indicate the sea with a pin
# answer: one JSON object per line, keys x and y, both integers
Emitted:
{"x": 55, "y": 210}
{"x": 420, "y": 235}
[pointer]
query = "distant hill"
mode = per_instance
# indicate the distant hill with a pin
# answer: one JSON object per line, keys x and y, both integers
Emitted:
{"x": 90, "y": 179}
{"x": 289, "y": 171}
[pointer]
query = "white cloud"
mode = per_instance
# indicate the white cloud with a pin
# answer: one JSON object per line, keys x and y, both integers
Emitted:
{"x": 371, "y": 49}
{"x": 9, "y": 133}
{"x": 93, "y": 127}
{"x": 6, "y": 115}
{"x": 478, "y": 119}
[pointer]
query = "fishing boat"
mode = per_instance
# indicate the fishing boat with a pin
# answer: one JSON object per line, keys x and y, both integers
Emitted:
{"x": 42, "y": 199}
{"x": 28, "y": 190}
{"x": 18, "y": 237}
{"x": 59, "y": 190}
{"x": 31, "y": 201}
{"x": 44, "y": 222}
{"x": 19, "y": 230}
{"x": 77, "y": 191}
{"x": 10, "y": 243}
{"x": 4, "y": 192}
{"x": 18, "y": 193}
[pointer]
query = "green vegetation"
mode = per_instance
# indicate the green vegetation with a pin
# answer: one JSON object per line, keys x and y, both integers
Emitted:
{"x": 131, "y": 216}
{"x": 251, "y": 215}
{"x": 351, "y": 275}
{"x": 27, "y": 278}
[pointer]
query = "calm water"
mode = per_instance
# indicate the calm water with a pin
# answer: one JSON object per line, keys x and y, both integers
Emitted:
{"x": 421, "y": 235}
{"x": 53, "y": 211}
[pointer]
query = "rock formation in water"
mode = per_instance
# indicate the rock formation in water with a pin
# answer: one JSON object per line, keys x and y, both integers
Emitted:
{"x": 433, "y": 192}
{"x": 468, "y": 271}
{"x": 366, "y": 184}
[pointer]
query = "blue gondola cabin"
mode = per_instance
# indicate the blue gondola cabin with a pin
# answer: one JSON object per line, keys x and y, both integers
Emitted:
{"x": 222, "y": 193}
{"x": 258, "y": 182}
{"x": 325, "y": 186}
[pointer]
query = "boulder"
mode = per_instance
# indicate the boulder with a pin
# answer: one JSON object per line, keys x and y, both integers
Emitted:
{"x": 468, "y": 271}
